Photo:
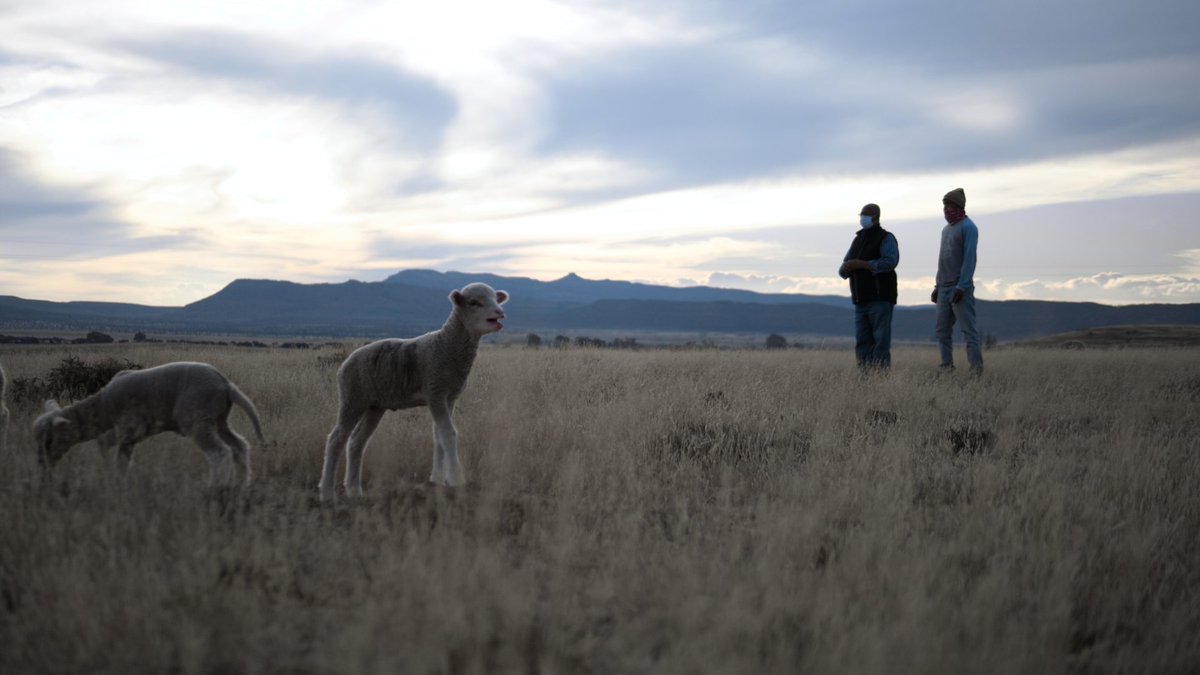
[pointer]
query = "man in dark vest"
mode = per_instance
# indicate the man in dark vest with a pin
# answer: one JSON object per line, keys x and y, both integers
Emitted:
{"x": 870, "y": 265}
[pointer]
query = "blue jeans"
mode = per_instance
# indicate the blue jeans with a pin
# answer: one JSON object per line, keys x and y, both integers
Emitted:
{"x": 961, "y": 313}
{"x": 873, "y": 334}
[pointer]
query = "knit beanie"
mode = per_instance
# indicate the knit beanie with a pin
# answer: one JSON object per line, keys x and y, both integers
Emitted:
{"x": 957, "y": 196}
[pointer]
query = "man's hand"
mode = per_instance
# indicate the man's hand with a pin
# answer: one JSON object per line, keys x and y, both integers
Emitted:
{"x": 852, "y": 265}
{"x": 933, "y": 296}
{"x": 958, "y": 295}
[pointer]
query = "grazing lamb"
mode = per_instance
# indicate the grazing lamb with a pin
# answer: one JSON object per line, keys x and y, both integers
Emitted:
{"x": 191, "y": 399}
{"x": 3, "y": 411}
{"x": 430, "y": 370}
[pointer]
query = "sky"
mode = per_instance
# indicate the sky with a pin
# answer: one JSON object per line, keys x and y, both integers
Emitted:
{"x": 155, "y": 152}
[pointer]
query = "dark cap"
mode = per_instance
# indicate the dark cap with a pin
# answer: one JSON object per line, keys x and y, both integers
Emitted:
{"x": 956, "y": 196}
{"x": 870, "y": 210}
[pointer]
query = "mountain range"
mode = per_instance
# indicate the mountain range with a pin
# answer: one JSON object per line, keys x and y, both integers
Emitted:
{"x": 414, "y": 301}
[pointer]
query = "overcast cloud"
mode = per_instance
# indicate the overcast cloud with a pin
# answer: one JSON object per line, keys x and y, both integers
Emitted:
{"x": 155, "y": 152}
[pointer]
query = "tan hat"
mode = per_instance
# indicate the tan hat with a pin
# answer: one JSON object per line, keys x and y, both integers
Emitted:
{"x": 956, "y": 196}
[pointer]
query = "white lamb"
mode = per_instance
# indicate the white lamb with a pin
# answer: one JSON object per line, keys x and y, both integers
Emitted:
{"x": 430, "y": 370}
{"x": 191, "y": 399}
{"x": 3, "y": 411}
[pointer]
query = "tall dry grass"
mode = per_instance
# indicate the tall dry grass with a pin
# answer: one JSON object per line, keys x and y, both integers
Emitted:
{"x": 637, "y": 512}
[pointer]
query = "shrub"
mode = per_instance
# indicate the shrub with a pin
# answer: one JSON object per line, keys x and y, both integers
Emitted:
{"x": 71, "y": 379}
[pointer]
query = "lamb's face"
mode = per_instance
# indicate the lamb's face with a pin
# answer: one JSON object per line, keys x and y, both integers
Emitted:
{"x": 479, "y": 307}
{"x": 55, "y": 434}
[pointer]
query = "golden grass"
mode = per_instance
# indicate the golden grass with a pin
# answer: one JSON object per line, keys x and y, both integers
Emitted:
{"x": 630, "y": 512}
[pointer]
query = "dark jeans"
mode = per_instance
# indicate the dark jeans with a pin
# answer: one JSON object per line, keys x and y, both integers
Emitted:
{"x": 873, "y": 334}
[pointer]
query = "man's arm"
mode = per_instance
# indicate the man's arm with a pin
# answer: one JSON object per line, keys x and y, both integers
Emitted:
{"x": 889, "y": 256}
{"x": 970, "y": 237}
{"x": 843, "y": 272}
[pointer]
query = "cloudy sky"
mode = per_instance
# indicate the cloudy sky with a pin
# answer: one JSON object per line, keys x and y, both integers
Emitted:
{"x": 154, "y": 151}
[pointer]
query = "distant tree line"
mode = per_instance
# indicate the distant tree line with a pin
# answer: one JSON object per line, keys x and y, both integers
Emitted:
{"x": 561, "y": 341}
{"x": 774, "y": 341}
{"x": 98, "y": 338}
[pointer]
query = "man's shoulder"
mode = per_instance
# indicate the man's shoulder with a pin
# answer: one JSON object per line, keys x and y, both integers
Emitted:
{"x": 968, "y": 224}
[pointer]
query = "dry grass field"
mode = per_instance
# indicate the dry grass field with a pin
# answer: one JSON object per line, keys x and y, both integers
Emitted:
{"x": 636, "y": 512}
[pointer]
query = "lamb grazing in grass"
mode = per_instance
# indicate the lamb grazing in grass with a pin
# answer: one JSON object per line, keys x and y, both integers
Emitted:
{"x": 430, "y": 370}
{"x": 191, "y": 399}
{"x": 3, "y": 411}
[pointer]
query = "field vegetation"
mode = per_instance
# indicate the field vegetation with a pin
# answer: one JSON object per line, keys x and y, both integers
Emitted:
{"x": 634, "y": 512}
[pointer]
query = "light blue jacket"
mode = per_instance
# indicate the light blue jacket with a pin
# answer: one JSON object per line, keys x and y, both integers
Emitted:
{"x": 956, "y": 261}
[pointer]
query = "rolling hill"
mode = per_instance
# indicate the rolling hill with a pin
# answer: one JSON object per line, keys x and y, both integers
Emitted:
{"x": 413, "y": 301}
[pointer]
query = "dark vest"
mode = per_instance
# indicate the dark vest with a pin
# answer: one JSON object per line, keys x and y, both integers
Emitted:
{"x": 865, "y": 286}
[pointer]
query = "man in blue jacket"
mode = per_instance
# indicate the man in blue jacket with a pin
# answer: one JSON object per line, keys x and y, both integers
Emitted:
{"x": 870, "y": 265}
{"x": 955, "y": 289}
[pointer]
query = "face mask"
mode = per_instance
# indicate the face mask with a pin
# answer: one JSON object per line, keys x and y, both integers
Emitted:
{"x": 866, "y": 221}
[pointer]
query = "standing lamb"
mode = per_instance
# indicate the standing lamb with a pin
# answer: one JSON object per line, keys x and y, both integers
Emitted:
{"x": 430, "y": 370}
{"x": 3, "y": 411}
{"x": 191, "y": 399}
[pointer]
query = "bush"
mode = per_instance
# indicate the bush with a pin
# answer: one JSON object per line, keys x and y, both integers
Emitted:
{"x": 72, "y": 379}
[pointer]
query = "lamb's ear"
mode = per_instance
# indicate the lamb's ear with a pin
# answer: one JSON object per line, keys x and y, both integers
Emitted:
{"x": 501, "y": 297}
{"x": 457, "y": 299}
{"x": 52, "y": 405}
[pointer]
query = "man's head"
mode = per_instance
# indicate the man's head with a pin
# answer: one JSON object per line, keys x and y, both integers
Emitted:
{"x": 954, "y": 205}
{"x": 869, "y": 215}
{"x": 957, "y": 197}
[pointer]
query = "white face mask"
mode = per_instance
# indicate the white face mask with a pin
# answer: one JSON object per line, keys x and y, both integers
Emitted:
{"x": 866, "y": 221}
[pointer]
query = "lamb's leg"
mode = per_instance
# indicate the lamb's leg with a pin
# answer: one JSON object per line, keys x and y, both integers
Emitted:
{"x": 334, "y": 444}
{"x": 125, "y": 455}
{"x": 104, "y": 444}
{"x": 241, "y": 451}
{"x": 206, "y": 436}
{"x": 446, "y": 468}
{"x": 358, "y": 445}
{"x": 437, "y": 472}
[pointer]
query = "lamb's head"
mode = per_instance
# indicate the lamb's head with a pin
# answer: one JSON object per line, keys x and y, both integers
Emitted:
{"x": 479, "y": 308}
{"x": 55, "y": 434}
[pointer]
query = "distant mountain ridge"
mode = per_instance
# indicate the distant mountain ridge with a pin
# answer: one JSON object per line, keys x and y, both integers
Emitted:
{"x": 414, "y": 301}
{"x": 573, "y": 289}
